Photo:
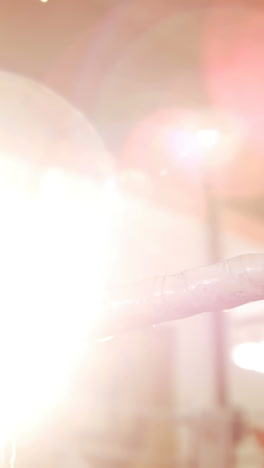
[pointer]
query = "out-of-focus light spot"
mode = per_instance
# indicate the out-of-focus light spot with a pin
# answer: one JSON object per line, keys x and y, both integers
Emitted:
{"x": 249, "y": 356}
{"x": 187, "y": 144}
{"x": 208, "y": 138}
{"x": 179, "y": 142}
{"x": 44, "y": 1}
{"x": 164, "y": 172}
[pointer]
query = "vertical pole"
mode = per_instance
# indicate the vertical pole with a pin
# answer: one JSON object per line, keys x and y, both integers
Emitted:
{"x": 217, "y": 318}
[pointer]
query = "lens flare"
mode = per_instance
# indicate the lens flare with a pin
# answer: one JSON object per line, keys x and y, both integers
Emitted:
{"x": 56, "y": 248}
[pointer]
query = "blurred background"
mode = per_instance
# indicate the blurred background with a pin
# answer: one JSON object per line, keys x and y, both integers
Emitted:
{"x": 175, "y": 91}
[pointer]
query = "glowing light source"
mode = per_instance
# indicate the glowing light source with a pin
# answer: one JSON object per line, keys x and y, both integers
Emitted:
{"x": 56, "y": 246}
{"x": 200, "y": 140}
{"x": 190, "y": 144}
{"x": 249, "y": 356}
{"x": 208, "y": 138}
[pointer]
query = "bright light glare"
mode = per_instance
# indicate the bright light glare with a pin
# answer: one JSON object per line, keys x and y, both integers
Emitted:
{"x": 249, "y": 356}
{"x": 190, "y": 145}
{"x": 208, "y": 138}
{"x": 56, "y": 249}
